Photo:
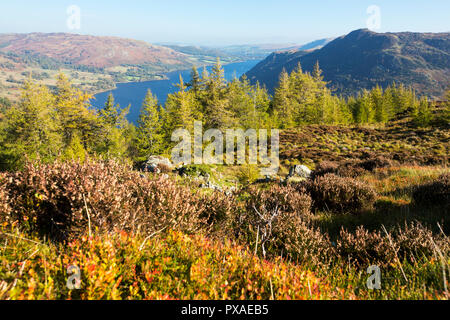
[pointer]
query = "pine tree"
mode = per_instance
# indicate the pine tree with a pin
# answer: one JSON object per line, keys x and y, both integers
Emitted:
{"x": 74, "y": 115}
{"x": 30, "y": 128}
{"x": 149, "y": 135}
{"x": 179, "y": 111}
{"x": 282, "y": 105}
{"x": 196, "y": 82}
{"x": 317, "y": 72}
{"x": 364, "y": 108}
{"x": 75, "y": 149}
{"x": 215, "y": 105}
{"x": 446, "y": 113}
{"x": 380, "y": 104}
{"x": 422, "y": 114}
{"x": 110, "y": 112}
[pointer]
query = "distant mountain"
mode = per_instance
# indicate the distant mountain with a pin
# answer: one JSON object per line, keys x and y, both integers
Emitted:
{"x": 314, "y": 45}
{"x": 261, "y": 51}
{"x": 100, "y": 52}
{"x": 364, "y": 58}
{"x": 205, "y": 52}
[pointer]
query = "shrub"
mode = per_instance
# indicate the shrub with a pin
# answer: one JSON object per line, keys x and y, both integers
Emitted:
{"x": 415, "y": 241}
{"x": 434, "y": 193}
{"x": 195, "y": 170}
{"x": 169, "y": 266}
{"x": 373, "y": 162}
{"x": 220, "y": 210}
{"x": 364, "y": 248}
{"x": 283, "y": 198}
{"x": 59, "y": 199}
{"x": 325, "y": 167}
{"x": 352, "y": 168}
{"x": 339, "y": 194}
{"x": 4, "y": 199}
{"x": 163, "y": 168}
{"x": 248, "y": 174}
{"x": 411, "y": 243}
{"x": 279, "y": 217}
{"x": 349, "y": 168}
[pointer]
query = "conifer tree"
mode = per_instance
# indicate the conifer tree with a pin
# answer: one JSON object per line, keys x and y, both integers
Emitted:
{"x": 110, "y": 112}
{"x": 380, "y": 104}
{"x": 364, "y": 108}
{"x": 149, "y": 135}
{"x": 215, "y": 105}
{"x": 282, "y": 104}
{"x": 179, "y": 110}
{"x": 317, "y": 73}
{"x": 196, "y": 82}
{"x": 422, "y": 114}
{"x": 30, "y": 128}
{"x": 72, "y": 107}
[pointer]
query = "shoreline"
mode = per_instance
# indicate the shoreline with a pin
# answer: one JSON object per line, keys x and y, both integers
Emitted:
{"x": 167, "y": 78}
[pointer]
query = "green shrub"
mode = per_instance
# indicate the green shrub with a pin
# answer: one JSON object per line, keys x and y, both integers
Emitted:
{"x": 195, "y": 170}
{"x": 248, "y": 174}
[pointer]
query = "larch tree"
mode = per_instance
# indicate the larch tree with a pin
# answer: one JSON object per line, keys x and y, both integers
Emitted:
{"x": 149, "y": 135}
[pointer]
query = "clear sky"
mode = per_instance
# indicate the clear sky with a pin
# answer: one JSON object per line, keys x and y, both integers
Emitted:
{"x": 222, "y": 22}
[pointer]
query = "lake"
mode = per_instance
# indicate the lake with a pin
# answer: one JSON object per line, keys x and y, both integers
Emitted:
{"x": 134, "y": 92}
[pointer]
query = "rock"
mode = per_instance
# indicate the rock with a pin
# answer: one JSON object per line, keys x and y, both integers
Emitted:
{"x": 266, "y": 179}
{"x": 160, "y": 160}
{"x": 153, "y": 168}
{"x": 153, "y": 162}
{"x": 230, "y": 191}
{"x": 210, "y": 185}
{"x": 300, "y": 171}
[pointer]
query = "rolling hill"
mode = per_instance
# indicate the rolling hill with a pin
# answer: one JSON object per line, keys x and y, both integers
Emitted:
{"x": 99, "y": 52}
{"x": 94, "y": 63}
{"x": 364, "y": 58}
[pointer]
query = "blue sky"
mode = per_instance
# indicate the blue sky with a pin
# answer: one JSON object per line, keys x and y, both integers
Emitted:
{"x": 213, "y": 22}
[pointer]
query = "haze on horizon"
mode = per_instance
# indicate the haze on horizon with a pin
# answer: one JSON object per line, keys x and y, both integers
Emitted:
{"x": 230, "y": 22}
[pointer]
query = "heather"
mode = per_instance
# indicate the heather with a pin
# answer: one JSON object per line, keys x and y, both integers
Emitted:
{"x": 141, "y": 235}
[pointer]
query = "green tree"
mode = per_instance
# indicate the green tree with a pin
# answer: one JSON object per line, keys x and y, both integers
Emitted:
{"x": 422, "y": 114}
{"x": 196, "y": 82}
{"x": 30, "y": 128}
{"x": 215, "y": 105}
{"x": 364, "y": 108}
{"x": 283, "y": 109}
{"x": 149, "y": 135}
{"x": 74, "y": 116}
{"x": 381, "y": 104}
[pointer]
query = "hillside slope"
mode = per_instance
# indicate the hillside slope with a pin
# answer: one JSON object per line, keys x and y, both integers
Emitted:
{"x": 363, "y": 58}
{"x": 94, "y": 63}
{"x": 87, "y": 50}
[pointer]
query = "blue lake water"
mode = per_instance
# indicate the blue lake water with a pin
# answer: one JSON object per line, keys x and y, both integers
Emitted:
{"x": 134, "y": 92}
